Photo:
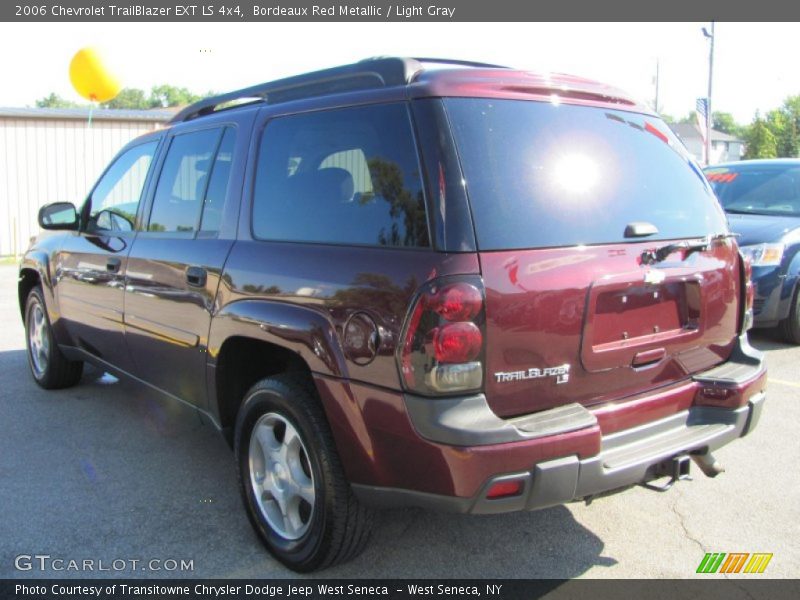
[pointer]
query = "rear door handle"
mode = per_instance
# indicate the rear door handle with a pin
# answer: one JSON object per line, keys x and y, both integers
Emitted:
{"x": 113, "y": 264}
{"x": 196, "y": 276}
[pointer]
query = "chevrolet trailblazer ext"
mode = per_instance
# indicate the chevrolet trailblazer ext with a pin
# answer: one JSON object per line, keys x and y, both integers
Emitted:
{"x": 410, "y": 282}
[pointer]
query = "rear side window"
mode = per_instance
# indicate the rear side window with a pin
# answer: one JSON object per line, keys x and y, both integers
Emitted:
{"x": 345, "y": 176}
{"x": 541, "y": 175}
{"x": 185, "y": 182}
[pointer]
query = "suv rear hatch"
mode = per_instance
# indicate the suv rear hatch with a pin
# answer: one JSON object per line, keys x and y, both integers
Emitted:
{"x": 570, "y": 204}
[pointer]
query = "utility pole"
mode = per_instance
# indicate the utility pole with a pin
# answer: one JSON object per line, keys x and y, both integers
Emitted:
{"x": 655, "y": 102}
{"x": 709, "y": 121}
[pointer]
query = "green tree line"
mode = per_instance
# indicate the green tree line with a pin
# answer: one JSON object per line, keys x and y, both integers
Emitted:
{"x": 773, "y": 135}
{"x": 160, "y": 96}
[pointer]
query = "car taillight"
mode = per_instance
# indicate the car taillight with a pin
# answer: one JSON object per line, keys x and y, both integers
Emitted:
{"x": 458, "y": 302}
{"x": 457, "y": 342}
{"x": 443, "y": 340}
{"x": 749, "y": 292}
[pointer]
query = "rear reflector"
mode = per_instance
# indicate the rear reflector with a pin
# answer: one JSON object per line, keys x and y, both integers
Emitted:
{"x": 503, "y": 489}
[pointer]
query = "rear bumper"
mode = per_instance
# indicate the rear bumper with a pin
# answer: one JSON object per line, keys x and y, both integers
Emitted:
{"x": 620, "y": 458}
{"x": 630, "y": 457}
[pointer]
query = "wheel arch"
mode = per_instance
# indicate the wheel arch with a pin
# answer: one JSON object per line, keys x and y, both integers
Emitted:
{"x": 253, "y": 339}
{"x": 35, "y": 270}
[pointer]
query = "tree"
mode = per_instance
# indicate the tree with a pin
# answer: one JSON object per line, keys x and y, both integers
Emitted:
{"x": 789, "y": 141}
{"x": 163, "y": 96}
{"x": 760, "y": 140}
{"x": 781, "y": 126}
{"x": 128, "y": 98}
{"x": 724, "y": 122}
{"x": 56, "y": 101}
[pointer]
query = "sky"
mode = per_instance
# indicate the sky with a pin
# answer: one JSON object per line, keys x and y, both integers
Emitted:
{"x": 750, "y": 69}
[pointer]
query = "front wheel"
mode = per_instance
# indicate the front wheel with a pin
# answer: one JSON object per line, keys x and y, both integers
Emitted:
{"x": 291, "y": 479}
{"x": 49, "y": 367}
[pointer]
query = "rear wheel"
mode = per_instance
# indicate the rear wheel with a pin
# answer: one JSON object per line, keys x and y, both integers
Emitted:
{"x": 49, "y": 367}
{"x": 789, "y": 328}
{"x": 291, "y": 479}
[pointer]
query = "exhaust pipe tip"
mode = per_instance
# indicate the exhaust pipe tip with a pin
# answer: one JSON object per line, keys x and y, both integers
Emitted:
{"x": 709, "y": 465}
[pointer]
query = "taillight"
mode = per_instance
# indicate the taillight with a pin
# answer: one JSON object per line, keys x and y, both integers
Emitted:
{"x": 457, "y": 342}
{"x": 458, "y": 302}
{"x": 749, "y": 292}
{"x": 443, "y": 340}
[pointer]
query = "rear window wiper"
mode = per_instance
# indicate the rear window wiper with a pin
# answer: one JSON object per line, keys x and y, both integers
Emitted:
{"x": 657, "y": 255}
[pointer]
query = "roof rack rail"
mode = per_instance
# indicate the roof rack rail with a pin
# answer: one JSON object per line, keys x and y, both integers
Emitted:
{"x": 459, "y": 63}
{"x": 371, "y": 73}
{"x": 367, "y": 74}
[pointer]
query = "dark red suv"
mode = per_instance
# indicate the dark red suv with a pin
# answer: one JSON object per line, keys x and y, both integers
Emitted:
{"x": 410, "y": 282}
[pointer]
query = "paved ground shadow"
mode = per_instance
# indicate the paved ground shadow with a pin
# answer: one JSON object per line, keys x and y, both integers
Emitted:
{"x": 110, "y": 469}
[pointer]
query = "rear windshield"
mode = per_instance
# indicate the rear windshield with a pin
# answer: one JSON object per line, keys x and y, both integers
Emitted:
{"x": 758, "y": 189}
{"x": 541, "y": 174}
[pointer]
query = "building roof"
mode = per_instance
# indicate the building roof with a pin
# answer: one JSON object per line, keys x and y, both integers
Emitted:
{"x": 692, "y": 131}
{"x": 99, "y": 114}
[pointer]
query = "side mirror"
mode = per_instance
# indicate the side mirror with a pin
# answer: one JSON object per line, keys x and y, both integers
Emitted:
{"x": 58, "y": 215}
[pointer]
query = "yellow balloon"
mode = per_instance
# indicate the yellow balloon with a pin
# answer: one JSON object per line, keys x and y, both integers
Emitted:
{"x": 91, "y": 77}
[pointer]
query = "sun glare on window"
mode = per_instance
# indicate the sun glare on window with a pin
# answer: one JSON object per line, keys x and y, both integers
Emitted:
{"x": 576, "y": 173}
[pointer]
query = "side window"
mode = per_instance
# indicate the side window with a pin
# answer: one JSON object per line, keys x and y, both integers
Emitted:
{"x": 183, "y": 181}
{"x": 345, "y": 176}
{"x": 116, "y": 197}
{"x": 218, "y": 183}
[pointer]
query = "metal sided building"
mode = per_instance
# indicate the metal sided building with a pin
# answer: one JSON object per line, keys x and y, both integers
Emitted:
{"x": 53, "y": 155}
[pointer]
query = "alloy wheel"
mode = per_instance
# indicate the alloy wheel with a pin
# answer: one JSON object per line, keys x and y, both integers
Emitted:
{"x": 281, "y": 476}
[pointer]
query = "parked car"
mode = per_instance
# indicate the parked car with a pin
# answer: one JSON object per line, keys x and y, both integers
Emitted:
{"x": 762, "y": 200}
{"x": 410, "y": 282}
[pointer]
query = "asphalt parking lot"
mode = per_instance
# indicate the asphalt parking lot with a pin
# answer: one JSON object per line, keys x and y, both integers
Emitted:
{"x": 108, "y": 471}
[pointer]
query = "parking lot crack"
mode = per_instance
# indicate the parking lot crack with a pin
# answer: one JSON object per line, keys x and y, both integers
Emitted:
{"x": 682, "y": 521}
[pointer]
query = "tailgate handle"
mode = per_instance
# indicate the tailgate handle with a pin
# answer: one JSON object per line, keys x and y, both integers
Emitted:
{"x": 648, "y": 357}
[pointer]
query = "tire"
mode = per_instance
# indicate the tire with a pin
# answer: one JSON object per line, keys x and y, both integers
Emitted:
{"x": 291, "y": 479}
{"x": 49, "y": 367}
{"x": 789, "y": 328}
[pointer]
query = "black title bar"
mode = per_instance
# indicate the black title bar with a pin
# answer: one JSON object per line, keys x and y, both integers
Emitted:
{"x": 393, "y": 10}
{"x": 396, "y": 589}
